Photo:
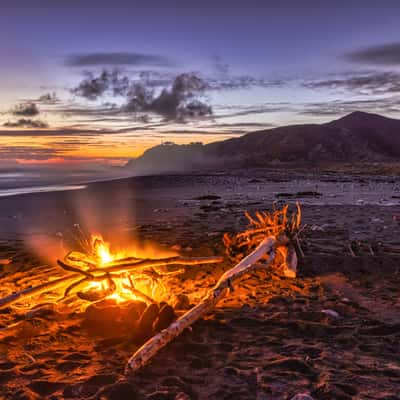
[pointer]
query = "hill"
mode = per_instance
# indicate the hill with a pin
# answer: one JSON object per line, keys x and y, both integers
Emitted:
{"x": 355, "y": 138}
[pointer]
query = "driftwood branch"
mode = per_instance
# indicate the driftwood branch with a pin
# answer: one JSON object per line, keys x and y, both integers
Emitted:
{"x": 35, "y": 290}
{"x": 162, "y": 262}
{"x": 157, "y": 342}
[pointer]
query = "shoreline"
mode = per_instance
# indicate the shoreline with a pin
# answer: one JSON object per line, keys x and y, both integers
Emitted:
{"x": 39, "y": 189}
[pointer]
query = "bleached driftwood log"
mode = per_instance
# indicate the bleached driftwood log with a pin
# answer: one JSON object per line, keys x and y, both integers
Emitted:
{"x": 246, "y": 265}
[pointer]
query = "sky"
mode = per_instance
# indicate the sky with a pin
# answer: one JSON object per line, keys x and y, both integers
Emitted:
{"x": 93, "y": 84}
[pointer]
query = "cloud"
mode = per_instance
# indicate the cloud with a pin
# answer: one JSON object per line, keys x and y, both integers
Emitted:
{"x": 176, "y": 103}
{"x": 26, "y": 123}
{"x": 35, "y": 153}
{"x": 74, "y": 131}
{"x": 222, "y": 68}
{"x": 266, "y": 108}
{"x": 244, "y": 126}
{"x": 374, "y": 82}
{"x": 243, "y": 82}
{"x": 28, "y": 109}
{"x": 179, "y": 102}
{"x": 48, "y": 98}
{"x": 121, "y": 58}
{"x": 386, "y": 54}
{"x": 93, "y": 87}
{"x": 341, "y": 107}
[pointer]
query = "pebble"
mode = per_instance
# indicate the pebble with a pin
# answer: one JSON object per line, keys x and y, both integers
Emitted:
{"x": 331, "y": 313}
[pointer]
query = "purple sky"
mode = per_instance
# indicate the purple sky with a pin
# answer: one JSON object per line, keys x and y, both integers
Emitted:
{"x": 248, "y": 65}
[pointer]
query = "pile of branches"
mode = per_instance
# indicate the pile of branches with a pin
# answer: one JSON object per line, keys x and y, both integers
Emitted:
{"x": 281, "y": 224}
{"x": 84, "y": 269}
{"x": 131, "y": 268}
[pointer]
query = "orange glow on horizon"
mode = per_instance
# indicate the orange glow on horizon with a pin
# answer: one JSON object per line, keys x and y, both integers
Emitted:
{"x": 75, "y": 149}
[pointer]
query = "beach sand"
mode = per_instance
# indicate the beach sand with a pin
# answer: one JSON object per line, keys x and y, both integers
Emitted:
{"x": 333, "y": 332}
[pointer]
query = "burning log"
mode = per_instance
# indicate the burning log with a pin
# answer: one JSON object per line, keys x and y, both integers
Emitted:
{"x": 270, "y": 233}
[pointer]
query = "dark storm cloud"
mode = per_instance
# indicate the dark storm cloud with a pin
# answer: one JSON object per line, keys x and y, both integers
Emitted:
{"x": 26, "y": 123}
{"x": 386, "y": 54}
{"x": 28, "y": 109}
{"x": 176, "y": 103}
{"x": 368, "y": 83}
{"x": 122, "y": 58}
{"x": 93, "y": 87}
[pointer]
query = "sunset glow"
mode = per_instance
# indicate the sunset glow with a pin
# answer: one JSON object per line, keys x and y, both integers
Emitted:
{"x": 70, "y": 101}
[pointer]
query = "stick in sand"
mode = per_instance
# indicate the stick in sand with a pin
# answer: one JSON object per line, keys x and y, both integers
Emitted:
{"x": 157, "y": 342}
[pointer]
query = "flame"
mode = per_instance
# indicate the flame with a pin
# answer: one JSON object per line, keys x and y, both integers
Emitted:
{"x": 102, "y": 249}
{"x": 104, "y": 254}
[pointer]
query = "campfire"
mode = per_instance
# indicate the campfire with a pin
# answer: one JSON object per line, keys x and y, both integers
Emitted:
{"x": 120, "y": 276}
{"x": 96, "y": 275}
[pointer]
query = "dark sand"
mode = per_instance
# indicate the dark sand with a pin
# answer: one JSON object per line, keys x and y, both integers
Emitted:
{"x": 333, "y": 332}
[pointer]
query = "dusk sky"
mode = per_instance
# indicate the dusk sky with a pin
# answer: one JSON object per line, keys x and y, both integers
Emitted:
{"x": 85, "y": 82}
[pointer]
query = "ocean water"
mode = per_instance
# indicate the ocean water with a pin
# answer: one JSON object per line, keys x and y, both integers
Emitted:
{"x": 39, "y": 189}
{"x": 17, "y": 183}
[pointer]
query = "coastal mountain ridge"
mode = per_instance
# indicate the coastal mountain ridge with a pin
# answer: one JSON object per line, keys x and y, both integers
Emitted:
{"x": 354, "y": 138}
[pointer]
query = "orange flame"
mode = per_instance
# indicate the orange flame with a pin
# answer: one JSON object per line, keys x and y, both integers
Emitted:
{"x": 104, "y": 254}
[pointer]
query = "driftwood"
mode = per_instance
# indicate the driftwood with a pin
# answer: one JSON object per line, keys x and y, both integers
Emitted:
{"x": 271, "y": 234}
{"x": 162, "y": 262}
{"x": 157, "y": 342}
{"x": 35, "y": 290}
